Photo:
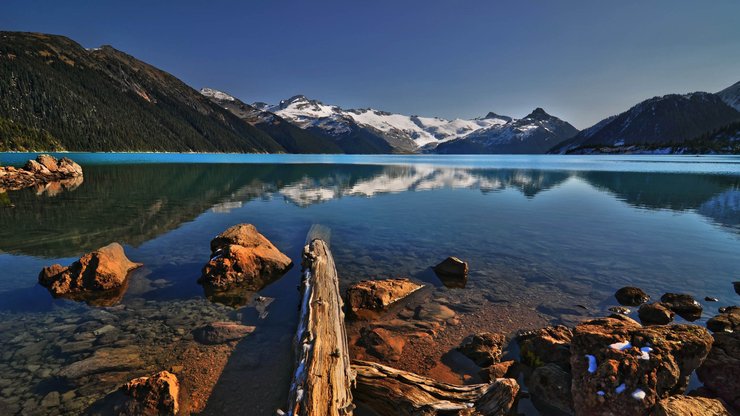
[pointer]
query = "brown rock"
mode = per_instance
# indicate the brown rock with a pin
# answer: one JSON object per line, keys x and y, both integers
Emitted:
{"x": 720, "y": 370}
{"x": 68, "y": 167}
{"x": 631, "y": 296}
{"x": 546, "y": 345}
{"x": 498, "y": 370}
{"x": 453, "y": 272}
{"x": 727, "y": 321}
{"x": 382, "y": 343}
{"x": 690, "y": 406}
{"x": 622, "y": 368}
{"x": 102, "y": 361}
{"x": 241, "y": 256}
{"x": 368, "y": 297}
{"x": 49, "y": 162}
{"x": 36, "y": 168}
{"x": 684, "y": 305}
{"x": 151, "y": 396}
{"x": 102, "y": 270}
{"x": 655, "y": 314}
{"x": 221, "y": 332}
{"x": 484, "y": 349}
{"x": 550, "y": 388}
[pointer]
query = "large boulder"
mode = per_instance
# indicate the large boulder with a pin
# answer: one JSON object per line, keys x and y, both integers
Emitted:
{"x": 622, "y": 368}
{"x": 102, "y": 270}
{"x": 151, "y": 396}
{"x": 485, "y": 349}
{"x": 241, "y": 256}
{"x": 367, "y": 298}
{"x": 690, "y": 406}
{"x": 49, "y": 162}
{"x": 720, "y": 371}
{"x": 546, "y": 345}
{"x": 631, "y": 296}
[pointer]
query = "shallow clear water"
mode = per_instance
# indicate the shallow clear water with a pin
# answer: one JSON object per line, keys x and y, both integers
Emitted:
{"x": 545, "y": 232}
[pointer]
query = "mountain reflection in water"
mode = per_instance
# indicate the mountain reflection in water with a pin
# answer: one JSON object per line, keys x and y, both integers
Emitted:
{"x": 135, "y": 203}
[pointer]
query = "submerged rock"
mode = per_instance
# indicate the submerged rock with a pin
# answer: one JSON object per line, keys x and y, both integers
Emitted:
{"x": 453, "y": 272}
{"x": 221, "y": 332}
{"x": 382, "y": 343}
{"x": 727, "y": 321}
{"x": 620, "y": 310}
{"x": 547, "y": 345}
{"x": 736, "y": 285}
{"x": 682, "y": 304}
{"x": 151, "y": 396}
{"x": 368, "y": 297}
{"x": 484, "y": 349}
{"x": 690, "y": 406}
{"x": 102, "y": 270}
{"x": 242, "y": 257}
{"x": 549, "y": 386}
{"x": 720, "y": 370}
{"x": 104, "y": 360}
{"x": 631, "y": 296}
{"x": 620, "y": 367}
{"x": 655, "y": 314}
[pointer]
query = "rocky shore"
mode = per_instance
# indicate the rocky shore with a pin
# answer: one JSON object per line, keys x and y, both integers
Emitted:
{"x": 150, "y": 357}
{"x": 44, "y": 170}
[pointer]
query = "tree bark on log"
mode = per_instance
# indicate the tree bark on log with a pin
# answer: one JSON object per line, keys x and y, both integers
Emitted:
{"x": 389, "y": 391}
{"x": 323, "y": 376}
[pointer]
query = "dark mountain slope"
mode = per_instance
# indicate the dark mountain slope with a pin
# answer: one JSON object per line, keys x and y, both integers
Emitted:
{"x": 56, "y": 95}
{"x": 666, "y": 121}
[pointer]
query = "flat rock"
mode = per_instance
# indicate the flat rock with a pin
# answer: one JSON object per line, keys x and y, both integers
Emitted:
{"x": 689, "y": 406}
{"x": 720, "y": 370}
{"x": 485, "y": 349}
{"x": 104, "y": 360}
{"x": 683, "y": 305}
{"x": 368, "y": 297}
{"x": 221, "y": 332}
{"x": 622, "y": 368}
{"x": 655, "y": 313}
{"x": 100, "y": 271}
{"x": 631, "y": 296}
{"x": 546, "y": 345}
{"x": 242, "y": 257}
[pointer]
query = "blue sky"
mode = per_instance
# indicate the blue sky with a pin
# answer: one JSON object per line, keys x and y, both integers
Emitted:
{"x": 580, "y": 60}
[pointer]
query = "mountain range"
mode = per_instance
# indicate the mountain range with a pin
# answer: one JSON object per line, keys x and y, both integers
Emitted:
{"x": 57, "y": 95}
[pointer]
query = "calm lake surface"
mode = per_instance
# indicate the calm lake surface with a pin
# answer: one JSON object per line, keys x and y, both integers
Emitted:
{"x": 556, "y": 235}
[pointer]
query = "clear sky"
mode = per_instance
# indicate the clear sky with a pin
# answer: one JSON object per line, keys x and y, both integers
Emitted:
{"x": 580, "y": 60}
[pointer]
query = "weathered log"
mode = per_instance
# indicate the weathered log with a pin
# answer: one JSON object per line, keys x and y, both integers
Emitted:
{"x": 389, "y": 391}
{"x": 323, "y": 376}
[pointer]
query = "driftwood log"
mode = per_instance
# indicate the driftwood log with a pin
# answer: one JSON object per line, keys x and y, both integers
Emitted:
{"x": 323, "y": 376}
{"x": 324, "y": 379}
{"x": 389, "y": 391}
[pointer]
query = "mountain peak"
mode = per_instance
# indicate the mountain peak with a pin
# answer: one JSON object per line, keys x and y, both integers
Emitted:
{"x": 219, "y": 95}
{"x": 538, "y": 114}
{"x": 491, "y": 115}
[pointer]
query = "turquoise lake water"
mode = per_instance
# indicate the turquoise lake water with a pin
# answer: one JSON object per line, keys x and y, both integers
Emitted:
{"x": 546, "y": 232}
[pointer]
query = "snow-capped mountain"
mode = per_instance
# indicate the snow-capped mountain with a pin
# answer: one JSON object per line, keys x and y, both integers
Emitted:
{"x": 400, "y": 132}
{"x": 669, "y": 120}
{"x": 731, "y": 95}
{"x": 536, "y": 133}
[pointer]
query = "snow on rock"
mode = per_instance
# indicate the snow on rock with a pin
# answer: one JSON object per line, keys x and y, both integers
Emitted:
{"x": 219, "y": 95}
